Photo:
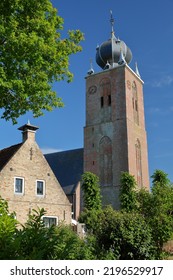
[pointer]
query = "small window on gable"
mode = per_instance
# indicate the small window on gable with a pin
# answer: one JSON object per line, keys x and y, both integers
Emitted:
{"x": 50, "y": 221}
{"x": 19, "y": 185}
{"x": 40, "y": 187}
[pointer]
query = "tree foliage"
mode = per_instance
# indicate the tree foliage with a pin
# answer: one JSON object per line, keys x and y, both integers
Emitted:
{"x": 91, "y": 190}
{"x": 92, "y": 201}
{"x": 36, "y": 242}
{"x": 33, "y": 241}
{"x": 111, "y": 234}
{"x": 32, "y": 56}
{"x": 69, "y": 246}
{"x": 126, "y": 235}
{"x": 157, "y": 208}
{"x": 128, "y": 200}
{"x": 7, "y": 231}
{"x": 159, "y": 177}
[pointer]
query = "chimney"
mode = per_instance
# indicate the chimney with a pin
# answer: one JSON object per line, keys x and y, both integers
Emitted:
{"x": 28, "y": 131}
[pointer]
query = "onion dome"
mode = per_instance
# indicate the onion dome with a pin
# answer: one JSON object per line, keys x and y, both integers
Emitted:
{"x": 112, "y": 51}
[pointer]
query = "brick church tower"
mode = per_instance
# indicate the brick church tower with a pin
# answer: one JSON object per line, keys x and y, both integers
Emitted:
{"x": 114, "y": 135}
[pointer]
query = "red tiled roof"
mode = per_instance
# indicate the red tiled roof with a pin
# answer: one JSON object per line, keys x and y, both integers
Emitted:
{"x": 7, "y": 153}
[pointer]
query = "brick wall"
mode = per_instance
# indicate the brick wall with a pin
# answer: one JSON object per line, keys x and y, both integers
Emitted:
{"x": 113, "y": 117}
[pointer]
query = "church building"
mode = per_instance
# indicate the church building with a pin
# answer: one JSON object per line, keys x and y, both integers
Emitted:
{"x": 114, "y": 133}
{"x": 114, "y": 141}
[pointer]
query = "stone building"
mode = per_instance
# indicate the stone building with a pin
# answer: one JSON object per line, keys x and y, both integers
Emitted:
{"x": 27, "y": 182}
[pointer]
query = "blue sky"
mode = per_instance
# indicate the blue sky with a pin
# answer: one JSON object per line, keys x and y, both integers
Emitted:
{"x": 147, "y": 28}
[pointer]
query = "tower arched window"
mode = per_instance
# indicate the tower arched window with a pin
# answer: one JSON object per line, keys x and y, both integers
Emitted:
{"x": 138, "y": 163}
{"x": 105, "y": 93}
{"x": 135, "y": 103}
{"x": 105, "y": 161}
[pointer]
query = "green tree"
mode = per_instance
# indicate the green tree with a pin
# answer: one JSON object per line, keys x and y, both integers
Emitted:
{"x": 8, "y": 245}
{"x": 69, "y": 246}
{"x": 32, "y": 56}
{"x": 128, "y": 200}
{"x": 36, "y": 242}
{"x": 122, "y": 235}
{"x": 91, "y": 191}
{"x": 33, "y": 241}
{"x": 92, "y": 202}
{"x": 159, "y": 177}
{"x": 162, "y": 209}
{"x": 157, "y": 209}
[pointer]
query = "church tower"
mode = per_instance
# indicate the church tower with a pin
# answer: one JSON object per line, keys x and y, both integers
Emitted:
{"x": 114, "y": 134}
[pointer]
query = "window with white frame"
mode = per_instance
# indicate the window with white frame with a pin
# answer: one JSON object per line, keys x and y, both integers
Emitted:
{"x": 18, "y": 185}
{"x": 40, "y": 187}
{"x": 50, "y": 221}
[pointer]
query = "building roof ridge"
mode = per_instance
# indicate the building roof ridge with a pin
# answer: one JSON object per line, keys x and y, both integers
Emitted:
{"x": 65, "y": 151}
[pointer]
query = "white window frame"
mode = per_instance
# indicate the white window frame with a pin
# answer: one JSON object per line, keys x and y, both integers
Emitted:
{"x": 23, "y": 185}
{"x": 49, "y": 217}
{"x": 37, "y": 194}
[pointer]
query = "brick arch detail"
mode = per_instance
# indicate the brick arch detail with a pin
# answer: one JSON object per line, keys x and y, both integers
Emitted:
{"x": 105, "y": 161}
{"x": 138, "y": 162}
{"x": 135, "y": 103}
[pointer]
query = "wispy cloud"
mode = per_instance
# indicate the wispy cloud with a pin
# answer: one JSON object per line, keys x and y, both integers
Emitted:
{"x": 160, "y": 111}
{"x": 49, "y": 150}
{"x": 153, "y": 110}
{"x": 153, "y": 124}
{"x": 164, "y": 155}
{"x": 164, "y": 81}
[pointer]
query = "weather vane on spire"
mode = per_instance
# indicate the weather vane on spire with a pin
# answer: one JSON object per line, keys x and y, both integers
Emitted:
{"x": 112, "y": 22}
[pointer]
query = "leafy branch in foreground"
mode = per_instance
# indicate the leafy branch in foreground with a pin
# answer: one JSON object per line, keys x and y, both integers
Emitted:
{"x": 32, "y": 56}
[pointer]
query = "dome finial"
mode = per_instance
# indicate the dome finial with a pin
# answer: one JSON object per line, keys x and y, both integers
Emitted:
{"x": 91, "y": 70}
{"x": 109, "y": 51}
{"x": 112, "y": 24}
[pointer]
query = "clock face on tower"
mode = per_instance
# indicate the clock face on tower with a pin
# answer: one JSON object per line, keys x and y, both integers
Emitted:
{"x": 92, "y": 89}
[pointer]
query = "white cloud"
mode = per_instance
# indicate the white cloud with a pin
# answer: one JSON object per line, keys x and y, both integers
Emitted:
{"x": 153, "y": 110}
{"x": 164, "y": 81}
{"x": 153, "y": 124}
{"x": 160, "y": 111}
{"x": 49, "y": 150}
{"x": 164, "y": 155}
